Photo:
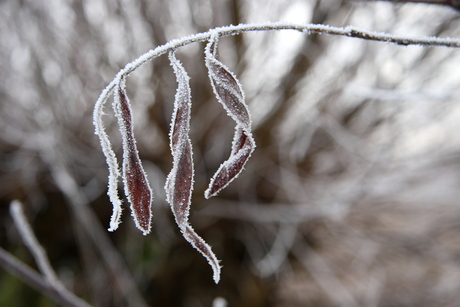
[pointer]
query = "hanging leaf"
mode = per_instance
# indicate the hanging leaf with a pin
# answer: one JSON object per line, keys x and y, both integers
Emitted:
{"x": 179, "y": 183}
{"x": 230, "y": 94}
{"x": 228, "y": 89}
{"x": 242, "y": 147}
{"x": 137, "y": 188}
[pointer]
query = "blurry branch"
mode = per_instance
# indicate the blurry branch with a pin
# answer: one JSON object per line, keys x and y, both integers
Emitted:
{"x": 279, "y": 250}
{"x": 255, "y": 213}
{"x": 452, "y": 3}
{"x": 32, "y": 243}
{"x": 50, "y": 285}
{"x": 385, "y": 94}
{"x": 324, "y": 275}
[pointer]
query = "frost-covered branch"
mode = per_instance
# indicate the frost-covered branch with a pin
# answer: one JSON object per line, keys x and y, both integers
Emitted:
{"x": 349, "y": 31}
{"x": 229, "y": 92}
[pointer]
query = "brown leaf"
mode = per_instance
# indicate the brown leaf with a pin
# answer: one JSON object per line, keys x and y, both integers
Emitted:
{"x": 230, "y": 94}
{"x": 179, "y": 184}
{"x": 137, "y": 188}
{"x": 243, "y": 146}
{"x": 228, "y": 90}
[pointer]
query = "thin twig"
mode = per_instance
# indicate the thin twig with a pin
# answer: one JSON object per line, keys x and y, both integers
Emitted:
{"x": 32, "y": 244}
{"x": 323, "y": 275}
{"x": 279, "y": 251}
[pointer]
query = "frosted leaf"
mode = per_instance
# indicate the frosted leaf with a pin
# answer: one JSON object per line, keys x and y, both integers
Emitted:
{"x": 230, "y": 94}
{"x": 180, "y": 123}
{"x": 198, "y": 243}
{"x": 242, "y": 148}
{"x": 137, "y": 188}
{"x": 226, "y": 86}
{"x": 111, "y": 159}
{"x": 179, "y": 183}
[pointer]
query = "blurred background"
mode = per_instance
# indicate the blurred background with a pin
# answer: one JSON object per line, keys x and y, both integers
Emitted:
{"x": 352, "y": 197}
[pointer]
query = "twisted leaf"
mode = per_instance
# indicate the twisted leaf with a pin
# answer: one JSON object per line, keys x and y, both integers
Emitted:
{"x": 227, "y": 88}
{"x": 179, "y": 184}
{"x": 230, "y": 94}
{"x": 242, "y": 147}
{"x": 137, "y": 188}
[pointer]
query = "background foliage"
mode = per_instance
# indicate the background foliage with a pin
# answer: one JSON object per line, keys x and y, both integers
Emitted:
{"x": 350, "y": 199}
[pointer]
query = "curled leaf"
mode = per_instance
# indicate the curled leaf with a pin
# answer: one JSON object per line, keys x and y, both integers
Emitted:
{"x": 242, "y": 147}
{"x": 230, "y": 94}
{"x": 179, "y": 183}
{"x": 137, "y": 188}
{"x": 228, "y": 89}
{"x": 198, "y": 243}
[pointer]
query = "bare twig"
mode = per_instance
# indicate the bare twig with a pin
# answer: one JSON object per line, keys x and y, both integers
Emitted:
{"x": 32, "y": 243}
{"x": 279, "y": 251}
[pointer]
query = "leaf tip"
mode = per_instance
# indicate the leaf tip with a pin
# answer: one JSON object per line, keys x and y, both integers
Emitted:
{"x": 216, "y": 277}
{"x": 145, "y": 231}
{"x": 208, "y": 194}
